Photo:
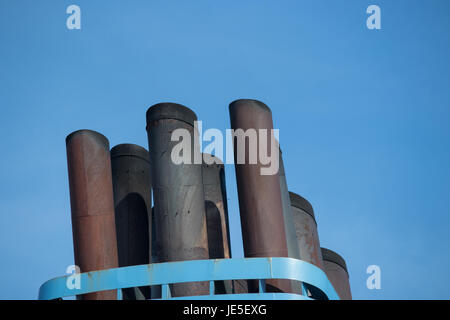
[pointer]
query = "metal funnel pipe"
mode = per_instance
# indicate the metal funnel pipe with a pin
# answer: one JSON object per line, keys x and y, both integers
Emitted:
{"x": 179, "y": 207}
{"x": 306, "y": 230}
{"x": 92, "y": 204}
{"x": 132, "y": 202}
{"x": 260, "y": 201}
{"x": 307, "y": 237}
{"x": 336, "y": 270}
{"x": 217, "y": 214}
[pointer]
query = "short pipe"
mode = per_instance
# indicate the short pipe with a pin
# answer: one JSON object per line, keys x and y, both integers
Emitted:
{"x": 306, "y": 230}
{"x": 337, "y": 273}
{"x": 218, "y": 231}
{"x": 307, "y": 235}
{"x": 132, "y": 202}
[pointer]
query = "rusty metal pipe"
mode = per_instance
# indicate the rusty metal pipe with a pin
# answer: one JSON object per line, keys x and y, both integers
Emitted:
{"x": 260, "y": 201}
{"x": 336, "y": 270}
{"x": 306, "y": 230}
{"x": 307, "y": 236}
{"x": 92, "y": 204}
{"x": 132, "y": 202}
{"x": 180, "y": 221}
{"x": 218, "y": 231}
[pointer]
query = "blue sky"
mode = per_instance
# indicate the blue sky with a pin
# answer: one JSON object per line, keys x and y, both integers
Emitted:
{"x": 363, "y": 118}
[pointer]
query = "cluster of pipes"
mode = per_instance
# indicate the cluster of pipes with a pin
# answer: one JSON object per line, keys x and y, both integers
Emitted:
{"x": 114, "y": 224}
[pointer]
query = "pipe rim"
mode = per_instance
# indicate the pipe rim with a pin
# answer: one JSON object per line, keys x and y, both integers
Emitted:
{"x": 131, "y": 150}
{"x": 301, "y": 203}
{"x": 87, "y": 132}
{"x": 170, "y": 110}
{"x": 331, "y": 256}
{"x": 249, "y": 102}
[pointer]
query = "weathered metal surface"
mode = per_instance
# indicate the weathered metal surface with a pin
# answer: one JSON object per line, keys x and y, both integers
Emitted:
{"x": 260, "y": 203}
{"x": 336, "y": 270}
{"x": 180, "y": 222}
{"x": 291, "y": 236}
{"x": 132, "y": 202}
{"x": 214, "y": 189}
{"x": 306, "y": 230}
{"x": 198, "y": 270}
{"x": 92, "y": 204}
{"x": 307, "y": 235}
{"x": 155, "y": 290}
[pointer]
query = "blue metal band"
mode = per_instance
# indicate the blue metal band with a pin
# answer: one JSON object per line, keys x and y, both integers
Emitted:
{"x": 193, "y": 271}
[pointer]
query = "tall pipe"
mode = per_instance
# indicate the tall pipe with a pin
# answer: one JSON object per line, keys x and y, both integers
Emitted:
{"x": 307, "y": 237}
{"x": 336, "y": 270}
{"x": 291, "y": 237}
{"x": 92, "y": 204}
{"x": 260, "y": 202}
{"x": 180, "y": 221}
{"x": 216, "y": 214}
{"x": 132, "y": 202}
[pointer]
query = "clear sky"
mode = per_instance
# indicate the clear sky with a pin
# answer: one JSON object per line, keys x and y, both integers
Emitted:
{"x": 363, "y": 118}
